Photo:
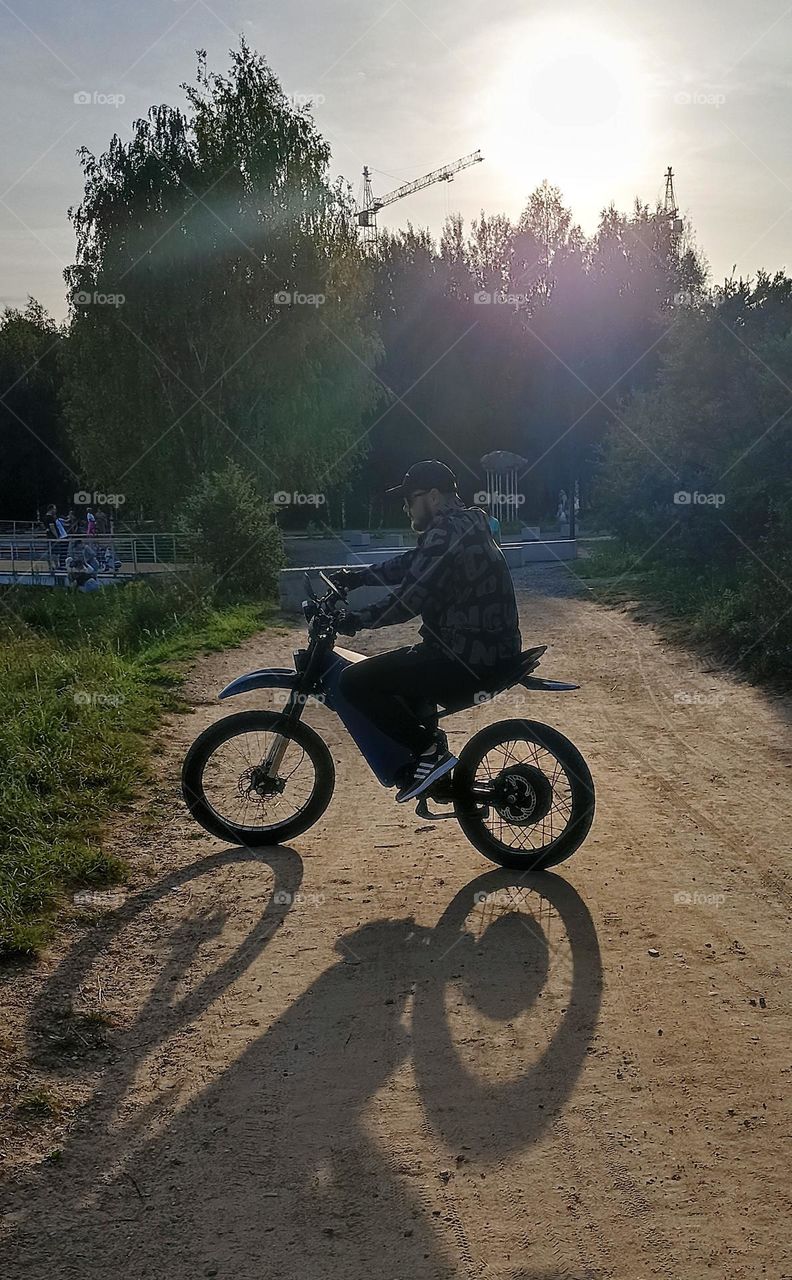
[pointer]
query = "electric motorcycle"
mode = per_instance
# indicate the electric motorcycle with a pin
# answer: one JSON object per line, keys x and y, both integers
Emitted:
{"x": 520, "y": 791}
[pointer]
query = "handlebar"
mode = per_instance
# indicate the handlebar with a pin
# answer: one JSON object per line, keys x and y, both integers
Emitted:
{"x": 326, "y": 604}
{"x": 338, "y": 591}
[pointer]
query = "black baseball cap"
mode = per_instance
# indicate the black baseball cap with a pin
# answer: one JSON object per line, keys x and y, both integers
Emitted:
{"x": 430, "y": 474}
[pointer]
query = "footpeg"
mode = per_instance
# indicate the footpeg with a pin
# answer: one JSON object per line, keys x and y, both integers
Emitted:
{"x": 423, "y": 811}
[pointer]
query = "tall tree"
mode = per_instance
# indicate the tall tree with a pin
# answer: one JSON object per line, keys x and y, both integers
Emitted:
{"x": 716, "y": 422}
{"x": 219, "y": 298}
{"x": 546, "y": 221}
{"x": 38, "y": 467}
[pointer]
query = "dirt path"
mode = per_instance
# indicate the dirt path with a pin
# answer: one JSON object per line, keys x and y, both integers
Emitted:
{"x": 370, "y": 1053}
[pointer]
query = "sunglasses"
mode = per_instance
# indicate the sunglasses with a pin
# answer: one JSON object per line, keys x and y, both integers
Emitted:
{"x": 419, "y": 493}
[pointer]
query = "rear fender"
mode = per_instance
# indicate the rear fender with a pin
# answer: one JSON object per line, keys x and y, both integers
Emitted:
{"x": 551, "y": 686}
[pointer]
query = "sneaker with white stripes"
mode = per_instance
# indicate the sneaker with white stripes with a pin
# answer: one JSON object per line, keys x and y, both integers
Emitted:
{"x": 432, "y": 764}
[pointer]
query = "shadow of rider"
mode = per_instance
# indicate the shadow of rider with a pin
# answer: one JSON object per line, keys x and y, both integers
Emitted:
{"x": 281, "y": 1166}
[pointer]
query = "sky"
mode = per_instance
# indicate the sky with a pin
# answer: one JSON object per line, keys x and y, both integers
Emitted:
{"x": 599, "y": 99}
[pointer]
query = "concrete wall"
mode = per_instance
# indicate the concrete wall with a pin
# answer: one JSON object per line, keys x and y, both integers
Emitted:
{"x": 349, "y": 549}
{"x": 292, "y": 581}
{"x": 561, "y": 549}
{"x": 293, "y": 591}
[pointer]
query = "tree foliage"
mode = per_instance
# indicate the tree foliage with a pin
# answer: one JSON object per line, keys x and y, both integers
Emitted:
{"x": 234, "y": 533}
{"x": 717, "y": 424}
{"x": 38, "y": 463}
{"x": 237, "y": 323}
{"x": 525, "y": 336}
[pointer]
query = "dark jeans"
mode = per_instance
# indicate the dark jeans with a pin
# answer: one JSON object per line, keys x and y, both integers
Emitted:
{"x": 400, "y": 691}
{"x": 59, "y": 547}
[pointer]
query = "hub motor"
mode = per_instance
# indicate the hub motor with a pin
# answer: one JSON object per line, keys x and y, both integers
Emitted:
{"x": 522, "y": 794}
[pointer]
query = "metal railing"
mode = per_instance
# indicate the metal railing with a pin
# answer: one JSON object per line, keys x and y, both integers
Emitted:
{"x": 37, "y": 528}
{"x": 31, "y": 553}
{"x": 19, "y": 528}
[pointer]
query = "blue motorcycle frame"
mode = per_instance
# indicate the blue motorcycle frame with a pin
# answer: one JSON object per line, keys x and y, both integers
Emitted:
{"x": 385, "y": 757}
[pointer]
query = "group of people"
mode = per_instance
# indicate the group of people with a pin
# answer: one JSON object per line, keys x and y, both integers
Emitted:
{"x": 83, "y": 557}
{"x": 60, "y": 527}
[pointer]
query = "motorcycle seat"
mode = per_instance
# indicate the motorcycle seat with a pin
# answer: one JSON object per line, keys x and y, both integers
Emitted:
{"x": 501, "y": 678}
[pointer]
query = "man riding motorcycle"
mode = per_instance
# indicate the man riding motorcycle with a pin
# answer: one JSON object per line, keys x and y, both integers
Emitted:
{"x": 457, "y": 579}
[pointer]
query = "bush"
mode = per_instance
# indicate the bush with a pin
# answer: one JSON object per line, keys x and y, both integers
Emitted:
{"x": 234, "y": 532}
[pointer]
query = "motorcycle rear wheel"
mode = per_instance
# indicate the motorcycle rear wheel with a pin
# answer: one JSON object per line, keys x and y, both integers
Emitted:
{"x": 523, "y": 795}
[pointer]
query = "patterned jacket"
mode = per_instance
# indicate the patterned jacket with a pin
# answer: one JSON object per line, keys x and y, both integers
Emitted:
{"x": 458, "y": 580}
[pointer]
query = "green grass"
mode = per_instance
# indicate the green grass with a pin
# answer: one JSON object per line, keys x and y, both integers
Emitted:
{"x": 38, "y": 1105}
{"x": 83, "y": 681}
{"x": 736, "y": 612}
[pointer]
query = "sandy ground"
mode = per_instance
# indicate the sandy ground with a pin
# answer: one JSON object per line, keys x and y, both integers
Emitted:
{"x": 371, "y": 1052}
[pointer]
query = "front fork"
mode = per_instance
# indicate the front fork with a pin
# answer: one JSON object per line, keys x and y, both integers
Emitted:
{"x": 291, "y": 712}
{"x": 272, "y": 760}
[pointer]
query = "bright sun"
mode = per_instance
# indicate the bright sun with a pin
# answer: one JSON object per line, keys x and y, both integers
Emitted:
{"x": 569, "y": 104}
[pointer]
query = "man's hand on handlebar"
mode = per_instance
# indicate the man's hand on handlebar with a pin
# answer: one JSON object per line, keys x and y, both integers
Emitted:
{"x": 348, "y": 623}
{"x": 345, "y": 579}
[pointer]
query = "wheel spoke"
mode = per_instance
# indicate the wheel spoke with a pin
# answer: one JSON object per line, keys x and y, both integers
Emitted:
{"x": 534, "y": 771}
{"x": 227, "y": 782}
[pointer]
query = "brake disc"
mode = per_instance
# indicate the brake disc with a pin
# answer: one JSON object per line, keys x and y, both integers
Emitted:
{"x": 255, "y": 780}
{"x": 522, "y": 794}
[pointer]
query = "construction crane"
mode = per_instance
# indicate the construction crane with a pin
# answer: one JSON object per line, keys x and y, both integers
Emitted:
{"x": 367, "y": 216}
{"x": 670, "y": 210}
{"x": 675, "y": 227}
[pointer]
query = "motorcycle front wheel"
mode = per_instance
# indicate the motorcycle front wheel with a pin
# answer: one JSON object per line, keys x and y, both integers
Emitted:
{"x": 227, "y": 791}
{"x": 523, "y": 795}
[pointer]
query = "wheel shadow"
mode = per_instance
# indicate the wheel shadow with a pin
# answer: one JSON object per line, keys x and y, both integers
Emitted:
{"x": 522, "y": 928}
{"x": 163, "y": 1013}
{"x": 279, "y": 1168}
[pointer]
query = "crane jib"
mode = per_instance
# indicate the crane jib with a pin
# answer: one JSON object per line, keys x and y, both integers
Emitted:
{"x": 367, "y": 215}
